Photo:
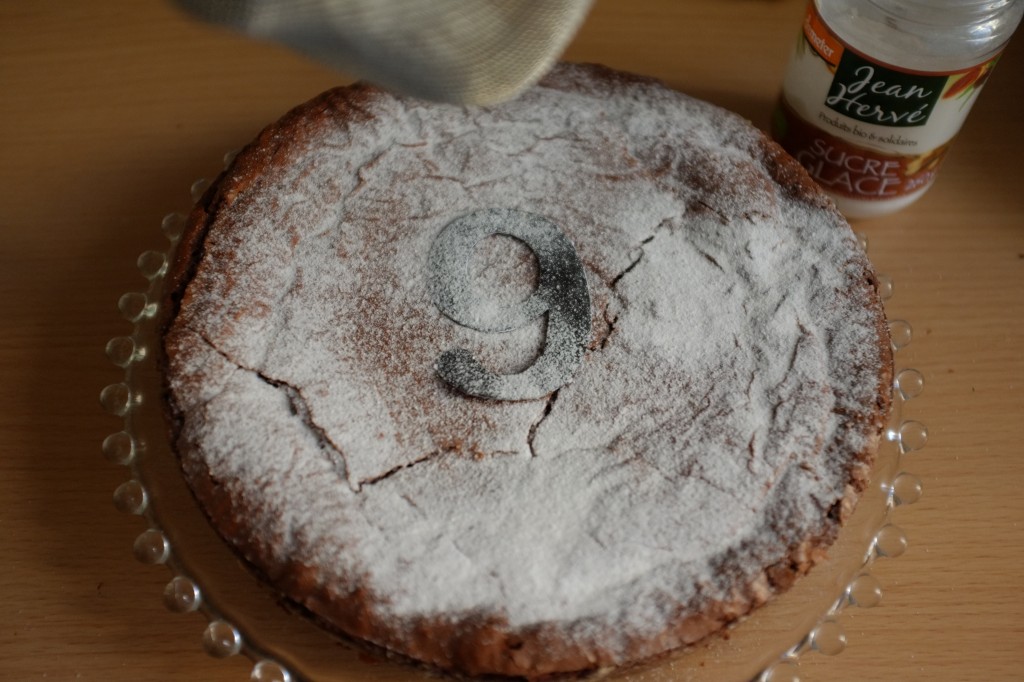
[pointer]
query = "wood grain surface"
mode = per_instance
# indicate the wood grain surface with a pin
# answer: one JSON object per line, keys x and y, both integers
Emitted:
{"x": 109, "y": 110}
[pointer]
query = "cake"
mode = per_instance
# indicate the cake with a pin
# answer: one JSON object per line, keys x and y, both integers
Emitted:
{"x": 532, "y": 390}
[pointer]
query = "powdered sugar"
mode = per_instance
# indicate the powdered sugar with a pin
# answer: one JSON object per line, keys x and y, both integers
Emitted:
{"x": 730, "y": 384}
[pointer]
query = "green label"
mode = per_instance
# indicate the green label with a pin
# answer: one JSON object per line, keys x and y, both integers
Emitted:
{"x": 872, "y": 93}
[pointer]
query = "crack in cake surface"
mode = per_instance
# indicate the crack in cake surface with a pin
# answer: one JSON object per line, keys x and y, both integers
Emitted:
{"x": 298, "y": 404}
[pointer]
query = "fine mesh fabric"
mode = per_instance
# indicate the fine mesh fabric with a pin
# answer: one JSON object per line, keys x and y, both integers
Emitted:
{"x": 462, "y": 51}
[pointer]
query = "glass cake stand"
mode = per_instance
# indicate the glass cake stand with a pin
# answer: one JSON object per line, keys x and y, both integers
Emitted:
{"x": 246, "y": 618}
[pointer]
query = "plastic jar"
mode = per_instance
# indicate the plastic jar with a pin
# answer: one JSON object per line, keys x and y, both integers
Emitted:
{"x": 877, "y": 89}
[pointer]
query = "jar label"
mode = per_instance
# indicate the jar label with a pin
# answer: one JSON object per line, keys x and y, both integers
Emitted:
{"x": 849, "y": 169}
{"x": 866, "y": 129}
{"x": 872, "y": 93}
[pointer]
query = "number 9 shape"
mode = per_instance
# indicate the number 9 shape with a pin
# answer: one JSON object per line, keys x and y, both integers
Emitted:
{"x": 561, "y": 292}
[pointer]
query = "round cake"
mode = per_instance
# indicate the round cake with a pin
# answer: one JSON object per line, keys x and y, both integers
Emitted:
{"x": 536, "y": 389}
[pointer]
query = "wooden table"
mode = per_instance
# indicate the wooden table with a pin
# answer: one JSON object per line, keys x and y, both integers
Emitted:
{"x": 109, "y": 110}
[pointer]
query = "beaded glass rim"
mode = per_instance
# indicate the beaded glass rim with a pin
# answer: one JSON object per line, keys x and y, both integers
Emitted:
{"x": 154, "y": 492}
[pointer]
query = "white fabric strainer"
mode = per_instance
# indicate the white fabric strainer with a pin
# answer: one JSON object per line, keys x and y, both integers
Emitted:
{"x": 463, "y": 51}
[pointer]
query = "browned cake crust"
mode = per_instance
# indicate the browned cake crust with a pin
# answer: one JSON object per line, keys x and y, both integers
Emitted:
{"x": 723, "y": 186}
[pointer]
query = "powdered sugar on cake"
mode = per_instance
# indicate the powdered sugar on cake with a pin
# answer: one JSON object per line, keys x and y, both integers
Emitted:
{"x": 721, "y": 414}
